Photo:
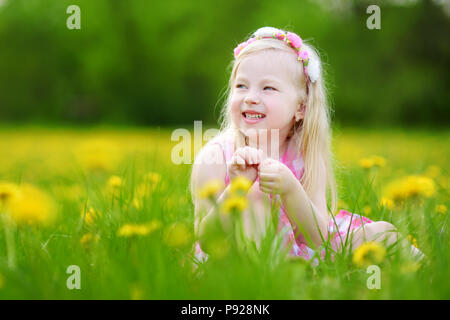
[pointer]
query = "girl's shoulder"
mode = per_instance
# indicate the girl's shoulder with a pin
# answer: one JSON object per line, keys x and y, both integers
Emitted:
{"x": 225, "y": 140}
{"x": 211, "y": 161}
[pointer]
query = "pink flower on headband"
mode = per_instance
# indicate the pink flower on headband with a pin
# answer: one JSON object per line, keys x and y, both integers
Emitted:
{"x": 295, "y": 40}
{"x": 303, "y": 55}
{"x": 242, "y": 45}
{"x": 238, "y": 49}
{"x": 280, "y": 36}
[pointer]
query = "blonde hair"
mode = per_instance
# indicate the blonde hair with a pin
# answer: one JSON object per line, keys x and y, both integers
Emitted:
{"x": 312, "y": 135}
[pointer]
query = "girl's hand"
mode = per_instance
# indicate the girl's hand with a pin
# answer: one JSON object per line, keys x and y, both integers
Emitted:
{"x": 275, "y": 177}
{"x": 245, "y": 163}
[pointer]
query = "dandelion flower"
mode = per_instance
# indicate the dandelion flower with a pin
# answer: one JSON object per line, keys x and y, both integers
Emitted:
{"x": 90, "y": 215}
{"x": 388, "y": 203}
{"x": 8, "y": 192}
{"x": 369, "y": 253}
{"x": 129, "y": 230}
{"x": 366, "y": 163}
{"x": 153, "y": 178}
{"x": 367, "y": 210}
{"x": 374, "y": 161}
{"x": 412, "y": 240}
{"x": 378, "y": 161}
{"x": 115, "y": 182}
{"x": 136, "y": 203}
{"x": 210, "y": 188}
{"x": 235, "y": 203}
{"x": 241, "y": 184}
{"x": 33, "y": 206}
{"x": 87, "y": 239}
{"x": 410, "y": 187}
{"x": 441, "y": 208}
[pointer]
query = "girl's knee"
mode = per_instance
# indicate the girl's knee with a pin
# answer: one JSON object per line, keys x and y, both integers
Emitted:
{"x": 381, "y": 226}
{"x": 381, "y": 230}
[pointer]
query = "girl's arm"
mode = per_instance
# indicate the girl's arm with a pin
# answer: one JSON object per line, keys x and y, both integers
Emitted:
{"x": 307, "y": 215}
{"x": 209, "y": 165}
{"x": 311, "y": 214}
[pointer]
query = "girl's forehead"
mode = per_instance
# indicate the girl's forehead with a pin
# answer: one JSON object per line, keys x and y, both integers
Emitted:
{"x": 275, "y": 64}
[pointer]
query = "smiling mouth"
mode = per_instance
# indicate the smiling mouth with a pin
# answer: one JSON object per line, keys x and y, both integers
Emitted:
{"x": 253, "y": 115}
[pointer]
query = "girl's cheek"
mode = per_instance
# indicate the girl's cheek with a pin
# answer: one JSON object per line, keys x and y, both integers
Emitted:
{"x": 235, "y": 110}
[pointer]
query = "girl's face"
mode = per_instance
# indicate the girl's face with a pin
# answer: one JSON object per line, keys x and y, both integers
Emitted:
{"x": 264, "y": 95}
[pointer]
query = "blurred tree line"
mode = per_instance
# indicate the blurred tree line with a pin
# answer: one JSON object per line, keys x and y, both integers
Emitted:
{"x": 168, "y": 62}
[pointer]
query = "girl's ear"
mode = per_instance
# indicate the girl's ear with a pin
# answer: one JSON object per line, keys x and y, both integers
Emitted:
{"x": 300, "y": 113}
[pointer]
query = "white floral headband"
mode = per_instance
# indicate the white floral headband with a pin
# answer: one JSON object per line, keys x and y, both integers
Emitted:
{"x": 310, "y": 65}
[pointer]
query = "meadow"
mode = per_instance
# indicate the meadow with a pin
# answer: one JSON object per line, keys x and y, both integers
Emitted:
{"x": 111, "y": 202}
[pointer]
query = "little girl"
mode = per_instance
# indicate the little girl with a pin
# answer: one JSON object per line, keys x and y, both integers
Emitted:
{"x": 277, "y": 105}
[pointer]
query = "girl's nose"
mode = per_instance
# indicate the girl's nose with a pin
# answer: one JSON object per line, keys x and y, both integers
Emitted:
{"x": 253, "y": 99}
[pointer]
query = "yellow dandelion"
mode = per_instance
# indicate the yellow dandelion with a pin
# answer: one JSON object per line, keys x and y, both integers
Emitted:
{"x": 90, "y": 215}
{"x": 136, "y": 203}
{"x": 33, "y": 206}
{"x": 210, "y": 188}
{"x": 367, "y": 210}
{"x": 366, "y": 163}
{"x": 98, "y": 154}
{"x": 129, "y": 230}
{"x": 235, "y": 203}
{"x": 87, "y": 239}
{"x": 240, "y": 184}
{"x": 412, "y": 240}
{"x": 410, "y": 187}
{"x": 178, "y": 235}
{"x": 153, "y": 178}
{"x": 388, "y": 203}
{"x": 8, "y": 192}
{"x": 115, "y": 182}
{"x": 441, "y": 208}
{"x": 369, "y": 253}
{"x": 378, "y": 161}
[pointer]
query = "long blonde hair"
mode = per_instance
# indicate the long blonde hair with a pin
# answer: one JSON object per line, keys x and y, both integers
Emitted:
{"x": 312, "y": 135}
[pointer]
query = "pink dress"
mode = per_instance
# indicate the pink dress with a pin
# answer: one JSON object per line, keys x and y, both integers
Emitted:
{"x": 338, "y": 228}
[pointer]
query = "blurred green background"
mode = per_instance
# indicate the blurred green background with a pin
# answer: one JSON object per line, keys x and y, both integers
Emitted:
{"x": 141, "y": 62}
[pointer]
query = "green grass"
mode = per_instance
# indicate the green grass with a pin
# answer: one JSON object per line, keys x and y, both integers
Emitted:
{"x": 74, "y": 166}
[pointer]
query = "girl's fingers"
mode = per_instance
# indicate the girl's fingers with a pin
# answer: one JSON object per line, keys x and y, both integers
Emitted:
{"x": 238, "y": 160}
{"x": 260, "y": 156}
{"x": 268, "y": 176}
{"x": 255, "y": 156}
{"x": 241, "y": 161}
{"x": 266, "y": 190}
{"x": 249, "y": 154}
{"x": 271, "y": 184}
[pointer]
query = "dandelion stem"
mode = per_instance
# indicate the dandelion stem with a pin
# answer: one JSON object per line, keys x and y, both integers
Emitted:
{"x": 9, "y": 238}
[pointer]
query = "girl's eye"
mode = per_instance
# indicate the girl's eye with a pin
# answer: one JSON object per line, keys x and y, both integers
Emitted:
{"x": 239, "y": 86}
{"x": 272, "y": 88}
